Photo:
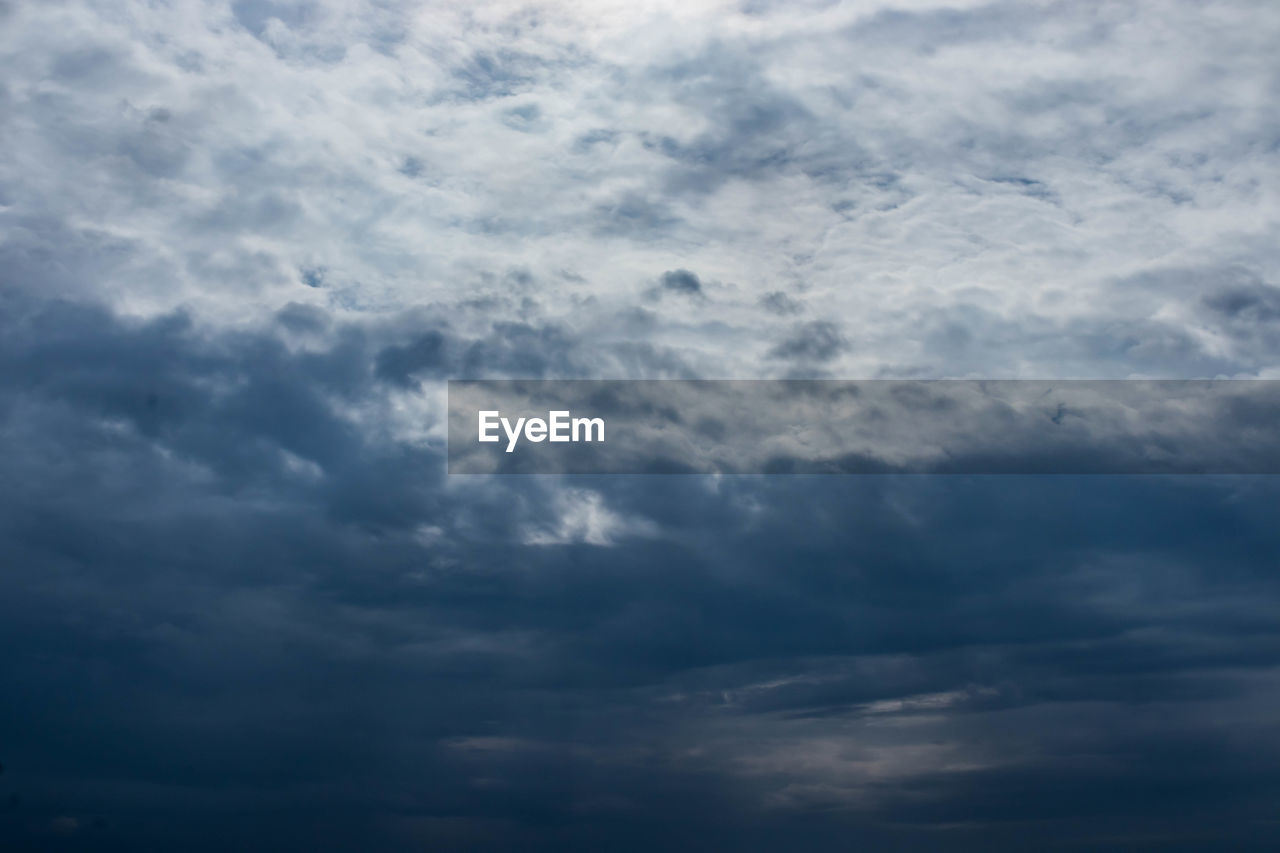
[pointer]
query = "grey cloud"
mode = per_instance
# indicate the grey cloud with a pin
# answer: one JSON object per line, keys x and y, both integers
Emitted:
{"x": 525, "y": 118}
{"x": 399, "y": 363}
{"x": 682, "y": 281}
{"x": 312, "y": 276}
{"x": 930, "y": 30}
{"x": 756, "y": 131}
{"x": 303, "y": 318}
{"x": 592, "y": 138}
{"x": 778, "y": 302}
{"x": 393, "y": 631}
{"x": 815, "y": 341}
{"x": 254, "y": 15}
{"x": 412, "y": 167}
{"x": 1255, "y": 303}
{"x": 501, "y": 74}
{"x": 247, "y": 609}
{"x": 635, "y": 216}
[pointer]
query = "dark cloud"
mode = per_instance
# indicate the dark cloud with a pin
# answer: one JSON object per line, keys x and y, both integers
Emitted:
{"x": 496, "y": 74}
{"x": 1254, "y": 303}
{"x": 815, "y": 341}
{"x": 931, "y": 30}
{"x": 525, "y": 118}
{"x": 255, "y": 15}
{"x": 244, "y": 607}
{"x": 778, "y": 302}
{"x": 398, "y": 364}
{"x": 313, "y": 276}
{"x": 303, "y": 318}
{"x": 348, "y": 640}
{"x": 635, "y": 216}
{"x": 411, "y": 167}
{"x": 592, "y": 138}
{"x": 755, "y": 131}
{"x": 682, "y": 281}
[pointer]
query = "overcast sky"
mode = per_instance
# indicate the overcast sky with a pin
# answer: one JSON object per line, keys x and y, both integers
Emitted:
{"x": 242, "y": 245}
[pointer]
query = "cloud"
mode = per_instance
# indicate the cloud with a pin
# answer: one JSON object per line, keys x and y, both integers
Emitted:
{"x": 242, "y": 244}
{"x": 816, "y": 341}
{"x": 780, "y": 303}
{"x": 584, "y": 518}
{"x": 682, "y": 281}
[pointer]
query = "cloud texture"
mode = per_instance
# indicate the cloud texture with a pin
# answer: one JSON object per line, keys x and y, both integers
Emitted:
{"x": 242, "y": 245}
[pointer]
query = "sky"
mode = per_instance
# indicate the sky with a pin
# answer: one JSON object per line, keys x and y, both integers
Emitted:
{"x": 243, "y": 245}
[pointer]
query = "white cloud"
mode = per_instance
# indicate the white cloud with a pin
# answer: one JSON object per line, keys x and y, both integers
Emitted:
{"x": 583, "y": 517}
{"x": 982, "y": 189}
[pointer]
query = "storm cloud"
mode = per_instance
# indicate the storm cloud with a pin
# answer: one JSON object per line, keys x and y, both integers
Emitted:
{"x": 244, "y": 245}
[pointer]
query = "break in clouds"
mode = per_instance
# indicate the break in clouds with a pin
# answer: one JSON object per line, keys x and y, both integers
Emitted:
{"x": 243, "y": 245}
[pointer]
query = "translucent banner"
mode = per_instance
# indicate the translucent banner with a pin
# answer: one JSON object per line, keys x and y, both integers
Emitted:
{"x": 864, "y": 426}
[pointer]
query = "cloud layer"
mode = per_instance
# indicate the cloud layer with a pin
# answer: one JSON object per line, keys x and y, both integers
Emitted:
{"x": 242, "y": 245}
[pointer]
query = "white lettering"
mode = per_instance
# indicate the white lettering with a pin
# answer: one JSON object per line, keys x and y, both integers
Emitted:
{"x": 587, "y": 425}
{"x": 513, "y": 435}
{"x": 486, "y": 424}
{"x": 559, "y": 426}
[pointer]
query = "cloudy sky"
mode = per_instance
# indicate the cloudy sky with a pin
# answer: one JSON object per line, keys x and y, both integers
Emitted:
{"x": 244, "y": 244}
